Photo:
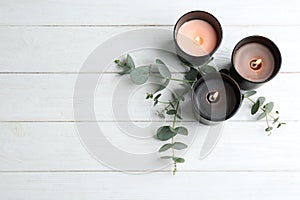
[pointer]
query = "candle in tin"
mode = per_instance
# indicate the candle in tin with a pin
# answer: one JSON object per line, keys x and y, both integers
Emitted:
{"x": 197, "y": 36}
{"x": 255, "y": 60}
{"x": 216, "y": 97}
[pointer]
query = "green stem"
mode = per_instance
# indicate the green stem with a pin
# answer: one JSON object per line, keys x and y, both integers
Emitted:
{"x": 173, "y": 127}
{"x": 268, "y": 125}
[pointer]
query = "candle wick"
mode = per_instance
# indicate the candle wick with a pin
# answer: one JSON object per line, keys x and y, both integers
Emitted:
{"x": 256, "y": 64}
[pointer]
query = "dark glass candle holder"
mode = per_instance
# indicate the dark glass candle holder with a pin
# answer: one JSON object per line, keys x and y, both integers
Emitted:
{"x": 213, "y": 22}
{"x": 216, "y": 97}
{"x": 255, "y": 61}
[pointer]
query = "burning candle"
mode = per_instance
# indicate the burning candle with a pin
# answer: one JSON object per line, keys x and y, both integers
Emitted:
{"x": 216, "y": 97}
{"x": 255, "y": 60}
{"x": 197, "y": 36}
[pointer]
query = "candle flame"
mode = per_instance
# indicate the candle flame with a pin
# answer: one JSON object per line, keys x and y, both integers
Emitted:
{"x": 258, "y": 62}
{"x": 215, "y": 96}
{"x": 198, "y": 40}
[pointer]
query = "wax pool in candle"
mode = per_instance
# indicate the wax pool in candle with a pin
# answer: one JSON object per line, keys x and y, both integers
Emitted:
{"x": 216, "y": 97}
{"x": 197, "y": 37}
{"x": 254, "y": 62}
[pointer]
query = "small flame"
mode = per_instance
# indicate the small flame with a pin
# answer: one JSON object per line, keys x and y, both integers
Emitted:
{"x": 215, "y": 96}
{"x": 258, "y": 62}
{"x": 198, "y": 40}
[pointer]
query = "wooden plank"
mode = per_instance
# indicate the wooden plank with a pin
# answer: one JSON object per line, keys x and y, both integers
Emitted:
{"x": 116, "y": 186}
{"x": 244, "y": 146}
{"x": 93, "y": 12}
{"x": 64, "y": 49}
{"x": 49, "y": 97}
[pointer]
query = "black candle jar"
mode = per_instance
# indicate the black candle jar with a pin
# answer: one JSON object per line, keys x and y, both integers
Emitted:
{"x": 197, "y": 15}
{"x": 216, "y": 97}
{"x": 255, "y": 61}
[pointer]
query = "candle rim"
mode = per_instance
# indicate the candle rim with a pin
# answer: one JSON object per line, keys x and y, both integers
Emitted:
{"x": 258, "y": 39}
{"x": 229, "y": 80}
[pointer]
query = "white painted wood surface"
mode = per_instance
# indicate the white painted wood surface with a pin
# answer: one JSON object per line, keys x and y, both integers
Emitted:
{"x": 42, "y": 47}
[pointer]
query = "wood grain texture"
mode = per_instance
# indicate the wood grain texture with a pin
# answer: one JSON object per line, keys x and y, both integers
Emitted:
{"x": 64, "y": 49}
{"x": 116, "y": 186}
{"x": 95, "y": 12}
{"x": 43, "y": 45}
{"x": 27, "y": 97}
{"x": 244, "y": 146}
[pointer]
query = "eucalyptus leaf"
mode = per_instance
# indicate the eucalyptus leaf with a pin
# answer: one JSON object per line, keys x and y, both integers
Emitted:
{"x": 163, "y": 86}
{"x": 157, "y": 97}
{"x": 171, "y": 112}
{"x": 261, "y": 100}
{"x": 255, "y": 107}
{"x": 179, "y": 145}
{"x": 181, "y": 130}
{"x": 178, "y": 160}
{"x": 249, "y": 94}
{"x": 178, "y": 116}
{"x": 165, "y": 147}
{"x": 192, "y": 74}
{"x": 275, "y": 120}
{"x": 269, "y": 107}
{"x": 140, "y": 75}
{"x": 130, "y": 62}
{"x": 163, "y": 69}
{"x": 149, "y": 96}
{"x": 161, "y": 115}
{"x": 262, "y": 115}
{"x": 269, "y": 129}
{"x": 165, "y": 133}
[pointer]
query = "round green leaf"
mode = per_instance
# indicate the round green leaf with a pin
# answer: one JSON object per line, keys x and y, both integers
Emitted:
{"x": 261, "y": 100}
{"x": 249, "y": 94}
{"x": 181, "y": 130}
{"x": 165, "y": 147}
{"x": 262, "y": 115}
{"x": 163, "y": 86}
{"x": 163, "y": 69}
{"x": 255, "y": 108}
{"x": 269, "y": 129}
{"x": 179, "y": 145}
{"x": 269, "y": 107}
{"x": 140, "y": 75}
{"x": 191, "y": 74}
{"x": 178, "y": 160}
{"x": 130, "y": 62}
{"x": 165, "y": 133}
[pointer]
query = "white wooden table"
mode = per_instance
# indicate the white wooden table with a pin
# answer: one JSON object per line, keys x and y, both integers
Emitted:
{"x": 42, "y": 47}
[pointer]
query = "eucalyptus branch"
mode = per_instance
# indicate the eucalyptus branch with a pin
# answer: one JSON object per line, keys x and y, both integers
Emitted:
{"x": 266, "y": 110}
{"x": 139, "y": 75}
